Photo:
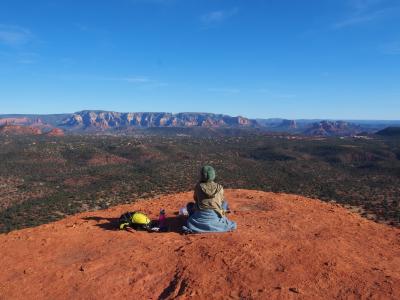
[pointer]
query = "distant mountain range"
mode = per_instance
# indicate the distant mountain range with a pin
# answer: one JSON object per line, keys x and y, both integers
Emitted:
{"x": 390, "y": 131}
{"x": 333, "y": 128}
{"x": 104, "y": 120}
{"x": 96, "y": 121}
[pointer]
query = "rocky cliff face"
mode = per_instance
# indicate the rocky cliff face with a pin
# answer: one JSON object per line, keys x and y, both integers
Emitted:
{"x": 15, "y": 121}
{"x": 287, "y": 125}
{"x": 114, "y": 120}
{"x": 24, "y": 121}
{"x": 333, "y": 128}
{"x": 19, "y": 130}
{"x": 92, "y": 121}
{"x": 55, "y": 132}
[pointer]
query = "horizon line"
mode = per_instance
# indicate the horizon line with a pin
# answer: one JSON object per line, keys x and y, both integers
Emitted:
{"x": 187, "y": 112}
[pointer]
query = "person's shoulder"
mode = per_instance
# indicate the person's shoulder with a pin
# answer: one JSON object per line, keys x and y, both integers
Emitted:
{"x": 220, "y": 187}
{"x": 197, "y": 186}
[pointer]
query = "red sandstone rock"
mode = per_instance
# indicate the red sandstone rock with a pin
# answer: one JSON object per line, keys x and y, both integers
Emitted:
{"x": 55, "y": 132}
{"x": 19, "y": 130}
{"x": 286, "y": 247}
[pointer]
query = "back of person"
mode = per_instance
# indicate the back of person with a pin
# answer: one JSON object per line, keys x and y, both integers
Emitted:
{"x": 209, "y": 195}
{"x": 208, "y": 214}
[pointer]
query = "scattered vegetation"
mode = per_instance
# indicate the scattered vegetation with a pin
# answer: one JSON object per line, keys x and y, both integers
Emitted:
{"x": 43, "y": 179}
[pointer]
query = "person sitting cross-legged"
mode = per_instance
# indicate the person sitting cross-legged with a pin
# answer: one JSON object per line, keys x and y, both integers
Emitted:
{"x": 208, "y": 212}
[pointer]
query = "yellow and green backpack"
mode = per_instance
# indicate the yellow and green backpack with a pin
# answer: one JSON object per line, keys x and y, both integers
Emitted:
{"x": 135, "y": 220}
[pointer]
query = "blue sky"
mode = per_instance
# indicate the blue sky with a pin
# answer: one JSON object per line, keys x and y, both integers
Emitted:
{"x": 273, "y": 58}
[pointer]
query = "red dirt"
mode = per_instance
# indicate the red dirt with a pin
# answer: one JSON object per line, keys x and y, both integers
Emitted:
{"x": 286, "y": 247}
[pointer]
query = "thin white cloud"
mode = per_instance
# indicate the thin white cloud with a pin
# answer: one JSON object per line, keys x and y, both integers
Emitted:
{"x": 276, "y": 95}
{"x": 14, "y": 35}
{"x": 154, "y": 1}
{"x": 391, "y": 48}
{"x": 89, "y": 29}
{"x": 81, "y": 26}
{"x": 143, "y": 81}
{"x": 129, "y": 79}
{"x": 363, "y": 5}
{"x": 262, "y": 91}
{"x": 216, "y": 17}
{"x": 139, "y": 81}
{"x": 136, "y": 79}
{"x": 364, "y": 11}
{"x": 285, "y": 96}
{"x": 28, "y": 58}
{"x": 224, "y": 90}
{"x": 18, "y": 57}
{"x": 360, "y": 19}
{"x": 325, "y": 74}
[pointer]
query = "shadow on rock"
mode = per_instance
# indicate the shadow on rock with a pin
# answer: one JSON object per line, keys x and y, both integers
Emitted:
{"x": 173, "y": 224}
{"x": 110, "y": 224}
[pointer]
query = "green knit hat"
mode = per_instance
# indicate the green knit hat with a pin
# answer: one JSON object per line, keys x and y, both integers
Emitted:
{"x": 207, "y": 174}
